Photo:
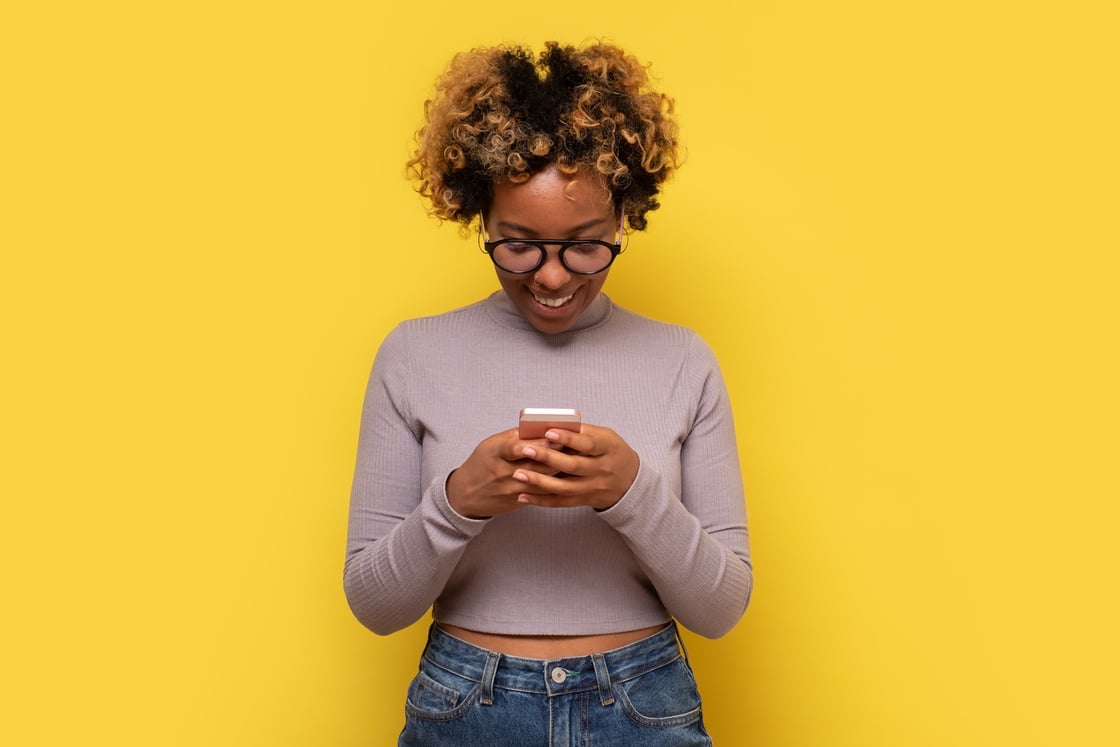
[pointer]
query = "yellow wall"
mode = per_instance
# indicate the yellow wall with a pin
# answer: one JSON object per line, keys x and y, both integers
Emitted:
{"x": 897, "y": 227}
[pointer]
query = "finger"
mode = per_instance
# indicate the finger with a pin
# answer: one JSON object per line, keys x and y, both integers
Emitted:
{"x": 573, "y": 461}
{"x": 589, "y": 441}
{"x": 529, "y": 464}
{"x": 555, "y": 462}
{"x": 519, "y": 449}
{"x": 545, "y": 484}
{"x": 551, "y": 501}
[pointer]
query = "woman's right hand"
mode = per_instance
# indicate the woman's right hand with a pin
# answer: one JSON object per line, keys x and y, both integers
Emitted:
{"x": 483, "y": 486}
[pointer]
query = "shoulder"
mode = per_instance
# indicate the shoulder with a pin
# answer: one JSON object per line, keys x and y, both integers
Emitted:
{"x": 437, "y": 329}
{"x": 470, "y": 315}
{"x": 666, "y": 335}
{"x": 412, "y": 339}
{"x": 675, "y": 347}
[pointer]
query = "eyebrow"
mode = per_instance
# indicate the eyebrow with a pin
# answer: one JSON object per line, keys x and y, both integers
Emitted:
{"x": 506, "y": 225}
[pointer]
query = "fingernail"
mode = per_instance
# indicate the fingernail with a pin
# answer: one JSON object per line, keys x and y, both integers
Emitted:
{"x": 530, "y": 452}
{"x": 520, "y": 476}
{"x": 552, "y": 436}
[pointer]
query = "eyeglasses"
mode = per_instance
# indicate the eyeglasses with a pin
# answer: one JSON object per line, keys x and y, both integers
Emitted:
{"x": 578, "y": 256}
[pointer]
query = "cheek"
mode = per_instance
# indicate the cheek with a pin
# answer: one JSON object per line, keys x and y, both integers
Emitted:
{"x": 514, "y": 287}
{"x": 597, "y": 282}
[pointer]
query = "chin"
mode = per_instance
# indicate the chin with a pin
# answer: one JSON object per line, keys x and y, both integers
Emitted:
{"x": 550, "y": 326}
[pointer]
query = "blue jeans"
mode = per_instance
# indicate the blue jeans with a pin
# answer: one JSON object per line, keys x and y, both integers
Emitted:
{"x": 641, "y": 694}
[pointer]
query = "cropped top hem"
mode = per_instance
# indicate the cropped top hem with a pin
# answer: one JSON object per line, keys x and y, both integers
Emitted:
{"x": 554, "y": 628}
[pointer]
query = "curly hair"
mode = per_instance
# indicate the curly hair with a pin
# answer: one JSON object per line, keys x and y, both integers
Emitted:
{"x": 499, "y": 115}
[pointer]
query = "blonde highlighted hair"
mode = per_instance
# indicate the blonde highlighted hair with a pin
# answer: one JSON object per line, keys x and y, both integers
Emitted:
{"x": 499, "y": 114}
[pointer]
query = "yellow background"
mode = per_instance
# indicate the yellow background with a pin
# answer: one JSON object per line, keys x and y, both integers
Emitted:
{"x": 897, "y": 227}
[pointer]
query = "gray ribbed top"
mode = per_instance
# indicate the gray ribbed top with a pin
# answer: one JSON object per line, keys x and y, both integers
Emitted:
{"x": 674, "y": 545}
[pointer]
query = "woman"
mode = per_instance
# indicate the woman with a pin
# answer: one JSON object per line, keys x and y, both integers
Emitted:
{"x": 557, "y": 567}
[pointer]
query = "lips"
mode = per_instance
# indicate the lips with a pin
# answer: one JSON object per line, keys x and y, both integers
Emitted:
{"x": 553, "y": 303}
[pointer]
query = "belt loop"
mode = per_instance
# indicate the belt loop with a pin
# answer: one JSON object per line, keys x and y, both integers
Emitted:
{"x": 603, "y": 678}
{"x": 489, "y": 672}
{"x": 680, "y": 642}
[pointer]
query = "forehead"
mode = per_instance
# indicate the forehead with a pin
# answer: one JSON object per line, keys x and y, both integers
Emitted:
{"x": 551, "y": 198}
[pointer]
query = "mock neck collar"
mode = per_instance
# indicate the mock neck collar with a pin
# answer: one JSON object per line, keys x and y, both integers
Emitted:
{"x": 501, "y": 309}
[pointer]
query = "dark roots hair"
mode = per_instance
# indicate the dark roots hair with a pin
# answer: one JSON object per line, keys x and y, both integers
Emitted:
{"x": 498, "y": 114}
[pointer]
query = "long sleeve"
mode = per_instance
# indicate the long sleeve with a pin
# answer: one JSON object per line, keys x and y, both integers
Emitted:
{"x": 675, "y": 545}
{"x": 694, "y": 545}
{"x": 404, "y": 539}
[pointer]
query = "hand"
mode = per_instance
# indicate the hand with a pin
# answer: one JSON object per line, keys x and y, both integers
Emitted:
{"x": 595, "y": 467}
{"x": 483, "y": 486}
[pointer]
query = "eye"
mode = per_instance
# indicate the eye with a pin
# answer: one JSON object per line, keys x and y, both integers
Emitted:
{"x": 517, "y": 247}
{"x": 585, "y": 249}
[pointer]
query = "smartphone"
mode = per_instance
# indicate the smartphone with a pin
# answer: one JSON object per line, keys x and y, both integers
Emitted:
{"x": 534, "y": 421}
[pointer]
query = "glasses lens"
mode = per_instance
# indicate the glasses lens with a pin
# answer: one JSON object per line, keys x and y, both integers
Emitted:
{"x": 526, "y": 256}
{"x": 516, "y": 257}
{"x": 587, "y": 257}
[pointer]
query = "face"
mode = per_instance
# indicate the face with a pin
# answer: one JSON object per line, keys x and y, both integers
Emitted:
{"x": 552, "y": 205}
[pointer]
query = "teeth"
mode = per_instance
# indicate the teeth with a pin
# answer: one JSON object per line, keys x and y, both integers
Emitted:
{"x": 554, "y": 302}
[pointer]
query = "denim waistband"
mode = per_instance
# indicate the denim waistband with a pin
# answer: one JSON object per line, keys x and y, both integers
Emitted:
{"x": 572, "y": 674}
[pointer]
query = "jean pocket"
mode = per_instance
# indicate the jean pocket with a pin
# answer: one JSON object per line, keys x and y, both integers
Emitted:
{"x": 437, "y": 695}
{"x": 661, "y": 698}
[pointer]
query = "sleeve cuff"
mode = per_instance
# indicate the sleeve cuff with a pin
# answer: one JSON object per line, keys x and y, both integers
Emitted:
{"x": 465, "y": 525}
{"x": 629, "y": 508}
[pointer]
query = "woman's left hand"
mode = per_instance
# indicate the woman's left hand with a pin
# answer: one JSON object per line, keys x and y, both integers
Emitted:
{"x": 594, "y": 468}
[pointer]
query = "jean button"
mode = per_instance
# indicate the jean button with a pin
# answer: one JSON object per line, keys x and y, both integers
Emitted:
{"x": 559, "y": 675}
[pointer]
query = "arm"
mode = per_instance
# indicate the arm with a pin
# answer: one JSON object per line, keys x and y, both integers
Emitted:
{"x": 692, "y": 544}
{"x": 404, "y": 538}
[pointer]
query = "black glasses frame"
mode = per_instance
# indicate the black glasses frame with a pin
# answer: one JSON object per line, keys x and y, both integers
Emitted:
{"x": 541, "y": 244}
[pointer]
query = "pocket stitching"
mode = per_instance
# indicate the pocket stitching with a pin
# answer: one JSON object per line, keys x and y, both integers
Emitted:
{"x": 658, "y": 722}
{"x": 459, "y": 707}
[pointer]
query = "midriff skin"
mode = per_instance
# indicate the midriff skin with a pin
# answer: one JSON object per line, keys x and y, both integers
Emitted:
{"x": 549, "y": 646}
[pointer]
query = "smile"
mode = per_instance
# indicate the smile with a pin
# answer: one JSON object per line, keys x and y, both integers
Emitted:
{"x": 553, "y": 303}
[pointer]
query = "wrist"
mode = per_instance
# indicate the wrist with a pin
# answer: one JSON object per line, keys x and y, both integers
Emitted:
{"x": 453, "y": 489}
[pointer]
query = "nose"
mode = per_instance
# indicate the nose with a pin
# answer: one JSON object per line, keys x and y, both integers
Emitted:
{"x": 552, "y": 274}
